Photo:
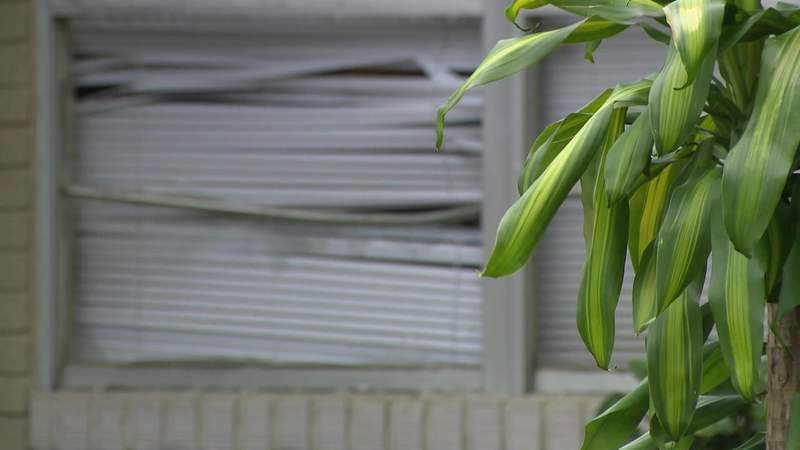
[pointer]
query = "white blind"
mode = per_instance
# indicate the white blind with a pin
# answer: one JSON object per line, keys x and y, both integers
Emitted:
{"x": 328, "y": 118}
{"x": 568, "y": 83}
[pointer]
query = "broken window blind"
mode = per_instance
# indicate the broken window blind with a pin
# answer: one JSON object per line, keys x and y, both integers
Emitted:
{"x": 567, "y": 83}
{"x": 323, "y": 119}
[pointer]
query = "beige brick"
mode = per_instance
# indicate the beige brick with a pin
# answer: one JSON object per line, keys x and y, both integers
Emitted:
{"x": 143, "y": 424}
{"x": 15, "y": 187}
{"x": 14, "y": 433}
{"x": 107, "y": 421}
{"x": 13, "y": 269}
{"x": 405, "y": 424}
{"x": 330, "y": 423}
{"x": 523, "y": 425}
{"x": 255, "y": 422}
{"x": 563, "y": 423}
{"x": 15, "y": 20}
{"x": 367, "y": 423}
{"x": 15, "y": 355}
{"x": 15, "y": 229}
{"x": 14, "y": 393}
{"x": 216, "y": 421}
{"x": 291, "y": 423}
{"x": 70, "y": 421}
{"x": 40, "y": 420}
{"x": 15, "y": 63}
{"x": 484, "y": 428}
{"x": 180, "y": 421}
{"x": 444, "y": 426}
{"x": 15, "y": 105}
{"x": 14, "y": 312}
{"x": 16, "y": 145}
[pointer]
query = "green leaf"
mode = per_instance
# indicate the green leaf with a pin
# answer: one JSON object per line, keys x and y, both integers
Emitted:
{"x": 739, "y": 68}
{"x": 647, "y": 207}
{"x": 710, "y": 409}
{"x": 696, "y": 26}
{"x": 715, "y": 372}
{"x": 525, "y": 221}
{"x": 655, "y": 33}
{"x": 619, "y": 11}
{"x": 645, "y": 307}
{"x": 793, "y": 440}
{"x": 553, "y": 139}
{"x": 605, "y": 261}
{"x": 683, "y": 241}
{"x": 512, "y": 11}
{"x": 789, "y": 295}
{"x": 758, "y": 165}
{"x": 505, "y": 59}
{"x": 755, "y": 441}
{"x": 628, "y": 158}
{"x": 674, "y": 106}
{"x": 615, "y": 426}
{"x": 737, "y": 295}
{"x": 675, "y": 361}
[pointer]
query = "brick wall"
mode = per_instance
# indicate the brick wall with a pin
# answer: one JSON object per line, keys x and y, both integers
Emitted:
{"x": 263, "y": 421}
{"x": 17, "y": 99}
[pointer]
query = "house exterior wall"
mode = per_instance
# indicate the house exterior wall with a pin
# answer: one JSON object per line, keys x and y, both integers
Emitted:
{"x": 17, "y": 160}
{"x": 262, "y": 421}
{"x": 73, "y": 420}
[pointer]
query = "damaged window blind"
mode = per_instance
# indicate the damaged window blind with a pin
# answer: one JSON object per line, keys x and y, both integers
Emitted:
{"x": 265, "y": 192}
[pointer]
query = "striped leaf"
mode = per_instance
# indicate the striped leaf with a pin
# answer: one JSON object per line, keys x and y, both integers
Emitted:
{"x": 645, "y": 307}
{"x": 675, "y": 106}
{"x": 619, "y": 11}
{"x": 710, "y": 409}
{"x": 505, "y": 59}
{"x": 758, "y": 165}
{"x": 553, "y": 139}
{"x": 715, "y": 372}
{"x": 683, "y": 242}
{"x": 696, "y": 27}
{"x": 647, "y": 207}
{"x": 605, "y": 261}
{"x": 675, "y": 361}
{"x": 510, "y": 56}
{"x": 739, "y": 66}
{"x": 525, "y": 221}
{"x": 737, "y": 296}
{"x": 615, "y": 426}
{"x": 628, "y": 158}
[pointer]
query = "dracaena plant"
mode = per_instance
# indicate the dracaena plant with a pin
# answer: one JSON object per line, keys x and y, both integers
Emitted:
{"x": 693, "y": 164}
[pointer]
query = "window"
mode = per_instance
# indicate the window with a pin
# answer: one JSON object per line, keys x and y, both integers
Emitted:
{"x": 262, "y": 196}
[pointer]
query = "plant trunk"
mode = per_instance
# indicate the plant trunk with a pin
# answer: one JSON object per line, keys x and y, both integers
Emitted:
{"x": 784, "y": 376}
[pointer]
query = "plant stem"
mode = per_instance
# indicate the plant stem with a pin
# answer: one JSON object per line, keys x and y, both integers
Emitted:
{"x": 784, "y": 376}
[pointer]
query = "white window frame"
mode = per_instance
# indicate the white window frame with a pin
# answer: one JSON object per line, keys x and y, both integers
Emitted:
{"x": 506, "y": 366}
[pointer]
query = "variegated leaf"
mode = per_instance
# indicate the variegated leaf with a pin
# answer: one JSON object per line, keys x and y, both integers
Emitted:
{"x": 696, "y": 27}
{"x": 605, "y": 260}
{"x": 510, "y": 56}
{"x": 675, "y": 106}
{"x": 525, "y": 221}
{"x": 758, "y": 165}
{"x": 683, "y": 242}
{"x": 553, "y": 139}
{"x": 619, "y": 11}
{"x": 647, "y": 207}
{"x": 628, "y": 158}
{"x": 645, "y": 306}
{"x": 675, "y": 361}
{"x": 737, "y": 296}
